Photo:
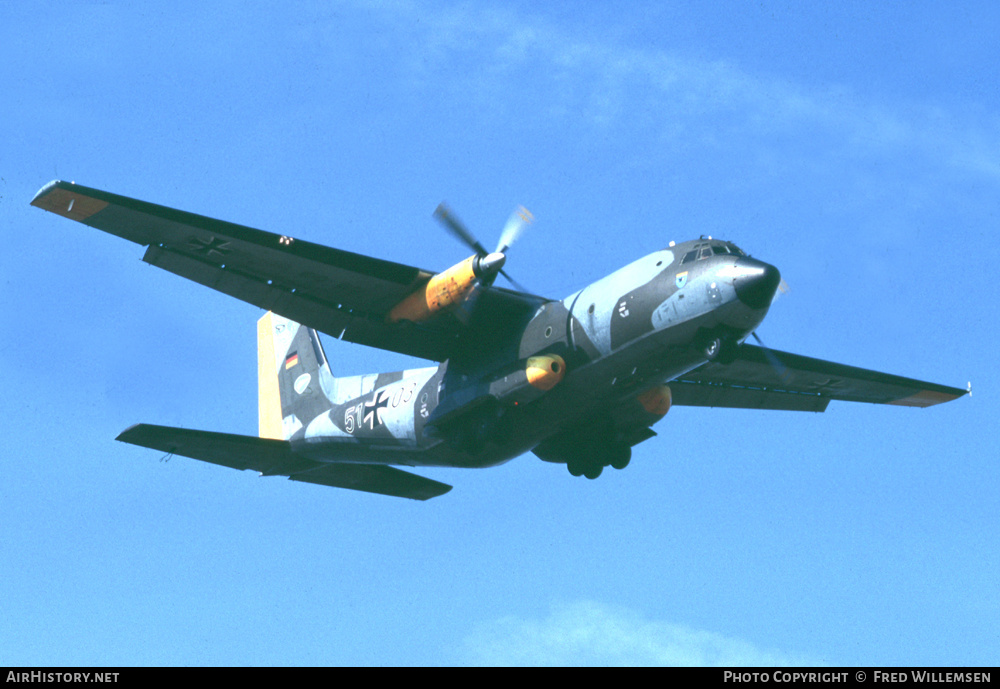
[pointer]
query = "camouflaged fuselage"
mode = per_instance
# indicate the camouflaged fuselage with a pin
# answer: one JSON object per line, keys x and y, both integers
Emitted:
{"x": 626, "y": 333}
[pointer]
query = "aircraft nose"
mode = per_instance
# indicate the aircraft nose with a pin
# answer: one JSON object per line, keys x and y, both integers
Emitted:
{"x": 756, "y": 283}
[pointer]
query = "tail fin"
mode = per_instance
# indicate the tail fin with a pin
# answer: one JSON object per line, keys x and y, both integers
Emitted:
{"x": 292, "y": 373}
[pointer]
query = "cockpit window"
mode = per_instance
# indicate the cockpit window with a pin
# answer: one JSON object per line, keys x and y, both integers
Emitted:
{"x": 706, "y": 250}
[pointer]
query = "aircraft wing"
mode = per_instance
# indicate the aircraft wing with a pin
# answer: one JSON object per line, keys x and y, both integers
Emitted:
{"x": 342, "y": 294}
{"x": 276, "y": 458}
{"x": 768, "y": 379}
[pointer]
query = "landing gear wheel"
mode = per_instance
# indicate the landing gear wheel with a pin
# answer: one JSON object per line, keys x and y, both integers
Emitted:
{"x": 730, "y": 352}
{"x": 711, "y": 348}
{"x": 620, "y": 456}
{"x": 575, "y": 467}
{"x": 593, "y": 471}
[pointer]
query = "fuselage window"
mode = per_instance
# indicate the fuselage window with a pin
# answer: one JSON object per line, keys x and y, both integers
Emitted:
{"x": 719, "y": 249}
{"x": 689, "y": 256}
{"x": 706, "y": 252}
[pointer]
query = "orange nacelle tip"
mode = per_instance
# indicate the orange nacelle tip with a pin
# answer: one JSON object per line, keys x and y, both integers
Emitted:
{"x": 545, "y": 372}
{"x": 656, "y": 400}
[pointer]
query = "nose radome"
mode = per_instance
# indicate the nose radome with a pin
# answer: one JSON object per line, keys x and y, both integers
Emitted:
{"x": 757, "y": 283}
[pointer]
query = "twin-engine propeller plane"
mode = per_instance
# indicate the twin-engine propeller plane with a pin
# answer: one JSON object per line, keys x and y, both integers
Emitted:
{"x": 578, "y": 381}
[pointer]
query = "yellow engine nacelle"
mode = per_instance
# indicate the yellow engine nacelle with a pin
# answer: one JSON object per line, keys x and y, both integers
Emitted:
{"x": 445, "y": 289}
{"x": 545, "y": 372}
{"x": 531, "y": 379}
{"x": 448, "y": 288}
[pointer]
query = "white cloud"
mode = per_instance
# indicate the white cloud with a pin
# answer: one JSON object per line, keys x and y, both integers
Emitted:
{"x": 588, "y": 633}
{"x": 501, "y": 60}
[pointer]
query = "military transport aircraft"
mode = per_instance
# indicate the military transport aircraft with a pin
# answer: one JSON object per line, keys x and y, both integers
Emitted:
{"x": 578, "y": 381}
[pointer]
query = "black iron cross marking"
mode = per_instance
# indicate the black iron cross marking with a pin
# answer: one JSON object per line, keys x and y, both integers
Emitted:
{"x": 373, "y": 409}
{"x": 212, "y": 247}
{"x": 828, "y": 386}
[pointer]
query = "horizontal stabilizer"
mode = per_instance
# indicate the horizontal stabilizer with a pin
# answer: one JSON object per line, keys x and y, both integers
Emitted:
{"x": 276, "y": 458}
{"x": 374, "y": 479}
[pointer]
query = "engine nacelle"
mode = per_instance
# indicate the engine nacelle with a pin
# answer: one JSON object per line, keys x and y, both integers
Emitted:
{"x": 446, "y": 289}
{"x": 534, "y": 377}
{"x": 656, "y": 400}
{"x": 474, "y": 407}
{"x": 545, "y": 372}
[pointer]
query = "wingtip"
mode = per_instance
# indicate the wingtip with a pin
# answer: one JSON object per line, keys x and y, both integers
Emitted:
{"x": 928, "y": 398}
{"x": 45, "y": 190}
{"x": 129, "y": 433}
{"x": 70, "y": 200}
{"x": 443, "y": 489}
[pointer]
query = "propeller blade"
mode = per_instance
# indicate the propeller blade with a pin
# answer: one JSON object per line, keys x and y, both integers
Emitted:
{"x": 464, "y": 311}
{"x": 517, "y": 285}
{"x": 772, "y": 359}
{"x": 448, "y": 219}
{"x": 783, "y": 288}
{"x": 516, "y": 224}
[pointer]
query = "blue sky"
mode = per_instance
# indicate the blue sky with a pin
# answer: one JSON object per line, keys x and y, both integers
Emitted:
{"x": 854, "y": 146}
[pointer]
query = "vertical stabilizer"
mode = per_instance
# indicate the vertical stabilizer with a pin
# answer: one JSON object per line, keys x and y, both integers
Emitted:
{"x": 268, "y": 400}
{"x": 291, "y": 372}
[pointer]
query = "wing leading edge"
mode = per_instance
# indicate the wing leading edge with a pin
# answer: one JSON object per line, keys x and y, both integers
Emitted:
{"x": 276, "y": 458}
{"x": 343, "y": 294}
{"x": 769, "y": 379}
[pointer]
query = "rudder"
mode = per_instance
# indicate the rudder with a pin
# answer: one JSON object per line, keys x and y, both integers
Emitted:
{"x": 291, "y": 367}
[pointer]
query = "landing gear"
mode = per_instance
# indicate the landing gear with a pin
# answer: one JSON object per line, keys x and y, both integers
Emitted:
{"x": 588, "y": 448}
{"x": 711, "y": 347}
{"x": 620, "y": 456}
{"x": 717, "y": 348}
{"x": 591, "y": 464}
{"x": 585, "y": 466}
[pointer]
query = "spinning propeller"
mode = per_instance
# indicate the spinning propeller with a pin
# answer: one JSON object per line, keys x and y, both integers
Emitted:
{"x": 489, "y": 264}
{"x": 457, "y": 289}
{"x": 772, "y": 358}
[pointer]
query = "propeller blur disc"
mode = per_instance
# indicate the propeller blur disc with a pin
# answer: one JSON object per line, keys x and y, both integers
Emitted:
{"x": 516, "y": 224}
